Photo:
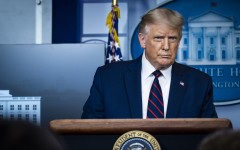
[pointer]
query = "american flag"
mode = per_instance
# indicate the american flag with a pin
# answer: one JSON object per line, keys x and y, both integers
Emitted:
{"x": 113, "y": 53}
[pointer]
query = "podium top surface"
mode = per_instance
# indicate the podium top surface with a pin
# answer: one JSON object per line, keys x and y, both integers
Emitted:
{"x": 153, "y": 126}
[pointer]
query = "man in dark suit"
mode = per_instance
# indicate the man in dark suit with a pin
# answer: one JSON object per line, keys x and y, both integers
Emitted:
{"x": 122, "y": 89}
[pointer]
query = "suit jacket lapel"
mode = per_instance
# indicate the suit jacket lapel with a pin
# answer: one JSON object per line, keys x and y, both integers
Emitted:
{"x": 133, "y": 87}
{"x": 177, "y": 91}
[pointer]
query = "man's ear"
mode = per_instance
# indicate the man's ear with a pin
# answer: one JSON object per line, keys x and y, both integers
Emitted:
{"x": 141, "y": 38}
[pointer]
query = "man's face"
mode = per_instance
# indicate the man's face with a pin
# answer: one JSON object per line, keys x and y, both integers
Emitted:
{"x": 160, "y": 43}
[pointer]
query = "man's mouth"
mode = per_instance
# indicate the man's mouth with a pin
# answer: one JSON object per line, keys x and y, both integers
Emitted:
{"x": 165, "y": 56}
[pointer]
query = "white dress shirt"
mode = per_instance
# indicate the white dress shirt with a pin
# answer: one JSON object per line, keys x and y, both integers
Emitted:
{"x": 147, "y": 79}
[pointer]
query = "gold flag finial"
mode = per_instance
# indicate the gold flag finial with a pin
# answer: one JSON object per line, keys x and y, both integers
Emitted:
{"x": 114, "y": 3}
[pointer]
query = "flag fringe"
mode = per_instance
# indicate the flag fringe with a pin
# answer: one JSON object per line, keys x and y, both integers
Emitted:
{"x": 110, "y": 24}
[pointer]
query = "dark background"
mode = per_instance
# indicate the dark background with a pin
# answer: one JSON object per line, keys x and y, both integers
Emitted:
{"x": 66, "y": 20}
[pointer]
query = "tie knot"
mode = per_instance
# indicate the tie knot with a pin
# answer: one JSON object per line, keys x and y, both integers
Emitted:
{"x": 157, "y": 73}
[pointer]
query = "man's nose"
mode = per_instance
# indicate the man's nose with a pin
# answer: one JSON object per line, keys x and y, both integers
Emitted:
{"x": 166, "y": 44}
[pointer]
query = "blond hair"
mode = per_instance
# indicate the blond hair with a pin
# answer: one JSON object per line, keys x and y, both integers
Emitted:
{"x": 162, "y": 15}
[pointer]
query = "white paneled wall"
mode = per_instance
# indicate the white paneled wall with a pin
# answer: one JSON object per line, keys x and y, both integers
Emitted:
{"x": 23, "y": 22}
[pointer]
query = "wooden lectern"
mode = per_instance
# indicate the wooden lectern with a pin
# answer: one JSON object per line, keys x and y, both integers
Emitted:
{"x": 179, "y": 134}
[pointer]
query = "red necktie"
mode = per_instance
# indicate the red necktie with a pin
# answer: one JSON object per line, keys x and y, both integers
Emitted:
{"x": 155, "y": 102}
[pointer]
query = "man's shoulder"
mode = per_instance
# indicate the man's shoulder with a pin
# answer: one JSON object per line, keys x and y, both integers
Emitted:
{"x": 119, "y": 66}
{"x": 190, "y": 70}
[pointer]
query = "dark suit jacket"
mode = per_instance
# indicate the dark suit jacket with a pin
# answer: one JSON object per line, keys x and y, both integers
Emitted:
{"x": 116, "y": 92}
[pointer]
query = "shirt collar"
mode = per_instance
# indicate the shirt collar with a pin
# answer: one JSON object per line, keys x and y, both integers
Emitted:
{"x": 148, "y": 69}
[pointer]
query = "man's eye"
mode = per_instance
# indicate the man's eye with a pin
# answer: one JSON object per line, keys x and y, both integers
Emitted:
{"x": 172, "y": 38}
{"x": 159, "y": 38}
